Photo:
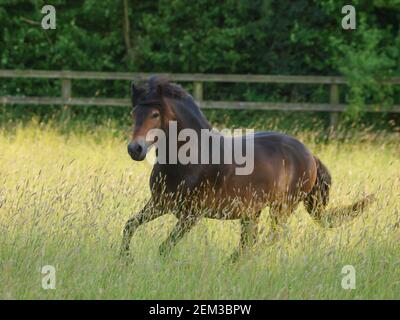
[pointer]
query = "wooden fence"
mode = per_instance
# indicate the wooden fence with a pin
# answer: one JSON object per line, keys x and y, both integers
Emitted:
{"x": 334, "y": 107}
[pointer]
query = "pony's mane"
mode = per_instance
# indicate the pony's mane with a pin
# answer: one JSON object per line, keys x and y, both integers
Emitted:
{"x": 156, "y": 88}
{"x": 174, "y": 102}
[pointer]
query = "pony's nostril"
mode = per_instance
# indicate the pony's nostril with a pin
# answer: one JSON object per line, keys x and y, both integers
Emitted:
{"x": 130, "y": 149}
{"x": 138, "y": 150}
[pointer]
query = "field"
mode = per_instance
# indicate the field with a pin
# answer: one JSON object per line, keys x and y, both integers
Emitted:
{"x": 64, "y": 199}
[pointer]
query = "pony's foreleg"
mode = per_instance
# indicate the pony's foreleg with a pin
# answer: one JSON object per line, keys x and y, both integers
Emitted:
{"x": 248, "y": 235}
{"x": 148, "y": 213}
{"x": 183, "y": 225}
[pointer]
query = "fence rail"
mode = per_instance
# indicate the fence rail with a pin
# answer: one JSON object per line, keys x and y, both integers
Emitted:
{"x": 334, "y": 107}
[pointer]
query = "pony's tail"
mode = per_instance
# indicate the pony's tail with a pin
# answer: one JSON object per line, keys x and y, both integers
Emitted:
{"x": 317, "y": 200}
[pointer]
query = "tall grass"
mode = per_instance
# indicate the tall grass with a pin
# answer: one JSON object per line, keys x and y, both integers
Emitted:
{"x": 64, "y": 199}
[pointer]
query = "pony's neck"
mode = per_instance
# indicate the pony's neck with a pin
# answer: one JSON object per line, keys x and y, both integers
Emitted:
{"x": 189, "y": 116}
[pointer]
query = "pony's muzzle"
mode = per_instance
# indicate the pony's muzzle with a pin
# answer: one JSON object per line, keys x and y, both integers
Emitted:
{"x": 137, "y": 150}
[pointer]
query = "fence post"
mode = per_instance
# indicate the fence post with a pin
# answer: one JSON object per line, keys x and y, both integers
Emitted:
{"x": 198, "y": 91}
{"x": 66, "y": 88}
{"x": 334, "y": 101}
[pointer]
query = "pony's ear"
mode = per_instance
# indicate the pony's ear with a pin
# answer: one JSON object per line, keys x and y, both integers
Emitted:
{"x": 135, "y": 93}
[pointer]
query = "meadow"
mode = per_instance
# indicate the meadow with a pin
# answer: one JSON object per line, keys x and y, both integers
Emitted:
{"x": 65, "y": 197}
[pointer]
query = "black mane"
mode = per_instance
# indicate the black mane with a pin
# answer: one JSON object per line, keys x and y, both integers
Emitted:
{"x": 154, "y": 89}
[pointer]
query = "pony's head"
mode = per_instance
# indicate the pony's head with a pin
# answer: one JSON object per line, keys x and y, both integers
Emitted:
{"x": 152, "y": 109}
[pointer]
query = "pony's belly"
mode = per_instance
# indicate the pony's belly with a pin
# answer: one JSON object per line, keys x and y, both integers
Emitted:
{"x": 229, "y": 207}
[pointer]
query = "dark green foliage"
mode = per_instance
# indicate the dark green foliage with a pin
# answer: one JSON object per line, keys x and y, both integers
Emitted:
{"x": 260, "y": 37}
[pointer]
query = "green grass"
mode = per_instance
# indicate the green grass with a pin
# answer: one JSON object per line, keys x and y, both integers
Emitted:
{"x": 64, "y": 199}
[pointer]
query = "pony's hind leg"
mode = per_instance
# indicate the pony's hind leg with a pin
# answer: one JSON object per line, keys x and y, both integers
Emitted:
{"x": 148, "y": 213}
{"x": 248, "y": 235}
{"x": 279, "y": 214}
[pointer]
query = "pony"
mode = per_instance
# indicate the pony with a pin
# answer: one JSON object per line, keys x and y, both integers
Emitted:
{"x": 285, "y": 173}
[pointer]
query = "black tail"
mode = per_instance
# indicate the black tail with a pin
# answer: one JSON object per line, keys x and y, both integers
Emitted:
{"x": 317, "y": 200}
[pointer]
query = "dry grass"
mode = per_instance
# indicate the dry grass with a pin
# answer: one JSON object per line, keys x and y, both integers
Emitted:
{"x": 64, "y": 201}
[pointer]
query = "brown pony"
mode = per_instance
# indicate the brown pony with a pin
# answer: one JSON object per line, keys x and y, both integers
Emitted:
{"x": 285, "y": 173}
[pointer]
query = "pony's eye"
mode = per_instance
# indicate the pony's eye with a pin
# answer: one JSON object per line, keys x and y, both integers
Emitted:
{"x": 155, "y": 115}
